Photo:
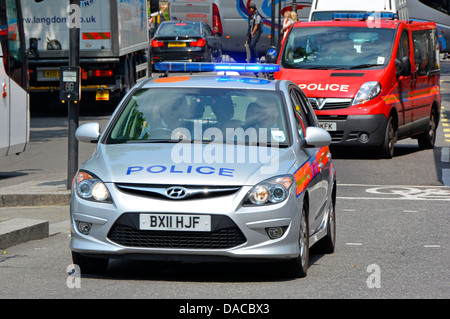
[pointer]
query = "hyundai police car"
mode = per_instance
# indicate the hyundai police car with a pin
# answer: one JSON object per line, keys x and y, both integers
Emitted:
{"x": 206, "y": 168}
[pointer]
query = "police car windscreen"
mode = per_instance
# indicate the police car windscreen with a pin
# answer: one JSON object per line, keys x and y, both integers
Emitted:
{"x": 337, "y": 48}
{"x": 231, "y": 116}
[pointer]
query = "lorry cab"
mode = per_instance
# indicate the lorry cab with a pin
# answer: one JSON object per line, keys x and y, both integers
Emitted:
{"x": 370, "y": 81}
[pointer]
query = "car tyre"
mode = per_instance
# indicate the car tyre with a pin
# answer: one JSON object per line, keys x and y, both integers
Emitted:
{"x": 90, "y": 265}
{"x": 428, "y": 139}
{"x": 390, "y": 137}
{"x": 327, "y": 244}
{"x": 298, "y": 266}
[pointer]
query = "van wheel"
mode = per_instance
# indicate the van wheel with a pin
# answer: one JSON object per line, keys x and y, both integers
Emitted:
{"x": 428, "y": 139}
{"x": 298, "y": 267}
{"x": 390, "y": 137}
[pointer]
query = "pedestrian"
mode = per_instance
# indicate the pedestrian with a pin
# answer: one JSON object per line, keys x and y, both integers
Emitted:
{"x": 255, "y": 26}
{"x": 294, "y": 17}
{"x": 155, "y": 20}
{"x": 287, "y": 23}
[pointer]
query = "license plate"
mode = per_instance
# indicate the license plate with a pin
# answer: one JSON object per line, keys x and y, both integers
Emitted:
{"x": 175, "y": 222}
{"x": 102, "y": 95}
{"x": 176, "y": 44}
{"x": 329, "y": 126}
{"x": 51, "y": 74}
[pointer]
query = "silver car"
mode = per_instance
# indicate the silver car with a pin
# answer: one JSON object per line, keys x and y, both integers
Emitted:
{"x": 206, "y": 168}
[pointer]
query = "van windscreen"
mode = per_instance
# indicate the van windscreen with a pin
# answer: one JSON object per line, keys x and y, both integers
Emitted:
{"x": 337, "y": 48}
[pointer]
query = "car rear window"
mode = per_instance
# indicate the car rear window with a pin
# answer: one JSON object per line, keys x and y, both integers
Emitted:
{"x": 181, "y": 28}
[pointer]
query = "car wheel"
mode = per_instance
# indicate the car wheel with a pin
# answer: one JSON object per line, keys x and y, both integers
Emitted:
{"x": 390, "y": 137}
{"x": 428, "y": 139}
{"x": 90, "y": 265}
{"x": 327, "y": 244}
{"x": 298, "y": 267}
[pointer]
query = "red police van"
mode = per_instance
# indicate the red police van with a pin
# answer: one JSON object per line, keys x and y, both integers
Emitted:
{"x": 371, "y": 80}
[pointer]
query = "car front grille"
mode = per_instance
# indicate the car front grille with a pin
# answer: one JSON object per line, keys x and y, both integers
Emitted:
{"x": 330, "y": 103}
{"x": 192, "y": 191}
{"x": 225, "y": 234}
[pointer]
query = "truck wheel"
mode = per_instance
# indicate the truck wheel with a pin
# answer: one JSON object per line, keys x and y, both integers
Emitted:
{"x": 390, "y": 137}
{"x": 428, "y": 139}
{"x": 125, "y": 76}
{"x": 132, "y": 71}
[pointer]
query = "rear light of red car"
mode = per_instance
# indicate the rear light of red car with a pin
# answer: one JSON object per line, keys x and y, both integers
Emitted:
{"x": 198, "y": 43}
{"x": 157, "y": 44}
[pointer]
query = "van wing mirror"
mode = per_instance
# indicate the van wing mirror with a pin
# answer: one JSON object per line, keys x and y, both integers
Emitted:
{"x": 404, "y": 66}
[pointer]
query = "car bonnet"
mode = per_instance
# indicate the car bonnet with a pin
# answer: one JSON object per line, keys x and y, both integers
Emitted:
{"x": 188, "y": 164}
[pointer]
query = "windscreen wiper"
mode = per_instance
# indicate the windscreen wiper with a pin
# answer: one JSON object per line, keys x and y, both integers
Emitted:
{"x": 363, "y": 66}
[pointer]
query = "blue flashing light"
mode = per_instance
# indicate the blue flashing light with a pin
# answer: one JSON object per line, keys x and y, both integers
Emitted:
{"x": 216, "y": 67}
{"x": 365, "y": 16}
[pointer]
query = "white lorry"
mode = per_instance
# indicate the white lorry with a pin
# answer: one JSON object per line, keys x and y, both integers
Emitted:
{"x": 113, "y": 44}
{"x": 324, "y": 9}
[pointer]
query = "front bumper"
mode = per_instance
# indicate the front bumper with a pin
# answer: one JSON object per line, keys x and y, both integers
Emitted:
{"x": 239, "y": 234}
{"x": 349, "y": 129}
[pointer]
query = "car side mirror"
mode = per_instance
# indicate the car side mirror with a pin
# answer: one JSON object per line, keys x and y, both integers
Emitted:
{"x": 316, "y": 137}
{"x": 88, "y": 133}
{"x": 404, "y": 66}
{"x": 272, "y": 55}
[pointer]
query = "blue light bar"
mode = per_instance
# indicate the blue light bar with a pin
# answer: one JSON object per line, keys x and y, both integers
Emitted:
{"x": 365, "y": 16}
{"x": 216, "y": 67}
{"x": 381, "y": 15}
{"x": 348, "y": 16}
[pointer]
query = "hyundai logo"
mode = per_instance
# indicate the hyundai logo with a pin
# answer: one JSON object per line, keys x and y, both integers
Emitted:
{"x": 176, "y": 192}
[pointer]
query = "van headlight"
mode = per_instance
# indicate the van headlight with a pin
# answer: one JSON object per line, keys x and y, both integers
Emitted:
{"x": 90, "y": 187}
{"x": 367, "y": 92}
{"x": 271, "y": 191}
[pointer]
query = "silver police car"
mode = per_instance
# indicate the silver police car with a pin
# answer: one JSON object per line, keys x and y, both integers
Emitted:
{"x": 206, "y": 168}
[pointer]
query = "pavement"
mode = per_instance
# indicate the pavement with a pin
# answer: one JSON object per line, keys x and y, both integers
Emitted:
{"x": 33, "y": 210}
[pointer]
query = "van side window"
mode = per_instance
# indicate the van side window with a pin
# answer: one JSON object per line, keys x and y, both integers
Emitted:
{"x": 403, "y": 47}
{"x": 425, "y": 57}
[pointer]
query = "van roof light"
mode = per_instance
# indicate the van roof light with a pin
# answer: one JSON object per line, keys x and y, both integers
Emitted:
{"x": 216, "y": 67}
{"x": 365, "y": 16}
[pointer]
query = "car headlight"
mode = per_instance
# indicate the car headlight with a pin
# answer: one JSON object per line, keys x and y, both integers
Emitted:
{"x": 367, "y": 92}
{"x": 271, "y": 191}
{"x": 90, "y": 187}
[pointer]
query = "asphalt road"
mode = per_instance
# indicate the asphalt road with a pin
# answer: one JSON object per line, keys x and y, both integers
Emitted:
{"x": 392, "y": 233}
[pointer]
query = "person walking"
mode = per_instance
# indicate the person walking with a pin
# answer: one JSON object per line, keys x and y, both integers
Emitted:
{"x": 255, "y": 26}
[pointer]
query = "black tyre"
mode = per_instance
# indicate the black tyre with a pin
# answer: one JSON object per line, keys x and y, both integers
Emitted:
{"x": 390, "y": 138}
{"x": 298, "y": 267}
{"x": 428, "y": 139}
{"x": 90, "y": 265}
{"x": 327, "y": 244}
